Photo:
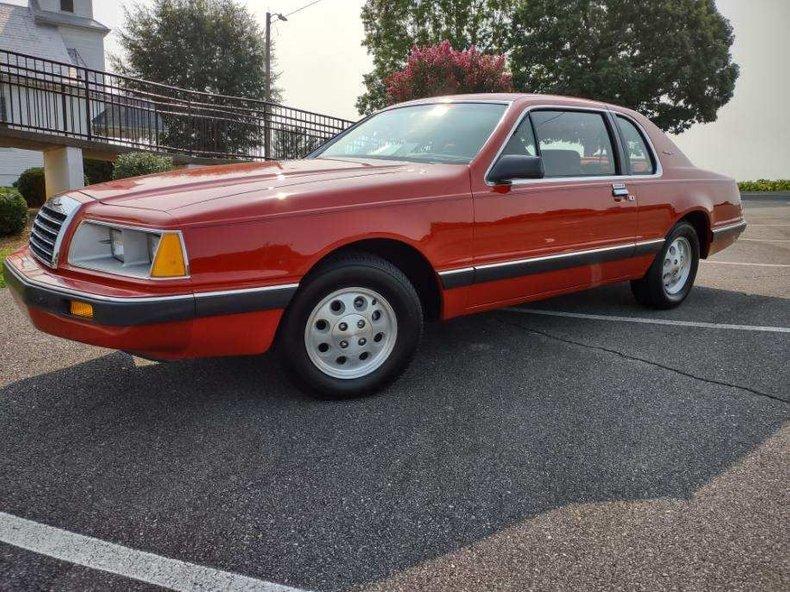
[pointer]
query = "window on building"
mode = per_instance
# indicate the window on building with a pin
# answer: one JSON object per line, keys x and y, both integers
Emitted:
{"x": 67, "y": 5}
{"x": 3, "y": 111}
{"x": 636, "y": 149}
{"x": 574, "y": 143}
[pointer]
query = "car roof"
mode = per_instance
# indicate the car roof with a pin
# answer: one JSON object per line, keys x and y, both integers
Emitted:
{"x": 521, "y": 98}
{"x": 501, "y": 97}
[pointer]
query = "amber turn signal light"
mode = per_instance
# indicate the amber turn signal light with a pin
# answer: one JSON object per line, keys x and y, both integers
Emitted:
{"x": 81, "y": 309}
{"x": 169, "y": 261}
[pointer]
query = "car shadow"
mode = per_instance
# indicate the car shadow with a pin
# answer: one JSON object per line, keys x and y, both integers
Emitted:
{"x": 224, "y": 463}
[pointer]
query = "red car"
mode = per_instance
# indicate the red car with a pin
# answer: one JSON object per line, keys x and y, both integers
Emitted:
{"x": 430, "y": 209}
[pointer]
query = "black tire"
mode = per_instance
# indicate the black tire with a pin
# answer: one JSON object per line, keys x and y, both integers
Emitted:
{"x": 650, "y": 290}
{"x": 350, "y": 270}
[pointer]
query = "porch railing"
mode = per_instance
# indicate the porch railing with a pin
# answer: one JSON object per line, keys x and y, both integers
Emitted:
{"x": 57, "y": 98}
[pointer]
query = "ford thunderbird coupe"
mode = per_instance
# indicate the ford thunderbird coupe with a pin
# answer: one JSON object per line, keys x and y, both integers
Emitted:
{"x": 431, "y": 209}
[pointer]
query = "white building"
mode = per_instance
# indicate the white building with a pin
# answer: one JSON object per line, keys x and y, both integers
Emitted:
{"x": 59, "y": 30}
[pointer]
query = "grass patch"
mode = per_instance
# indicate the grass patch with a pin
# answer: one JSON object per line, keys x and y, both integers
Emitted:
{"x": 3, "y": 254}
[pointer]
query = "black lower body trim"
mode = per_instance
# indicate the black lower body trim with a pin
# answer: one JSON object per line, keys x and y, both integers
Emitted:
{"x": 222, "y": 303}
{"x": 128, "y": 312}
{"x": 729, "y": 230}
{"x": 509, "y": 270}
{"x": 458, "y": 278}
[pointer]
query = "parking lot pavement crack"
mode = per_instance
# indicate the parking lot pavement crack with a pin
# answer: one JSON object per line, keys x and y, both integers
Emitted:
{"x": 632, "y": 358}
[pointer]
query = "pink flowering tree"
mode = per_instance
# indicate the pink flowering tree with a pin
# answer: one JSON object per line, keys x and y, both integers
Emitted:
{"x": 441, "y": 70}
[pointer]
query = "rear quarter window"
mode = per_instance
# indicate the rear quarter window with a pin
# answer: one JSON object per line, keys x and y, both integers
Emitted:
{"x": 637, "y": 152}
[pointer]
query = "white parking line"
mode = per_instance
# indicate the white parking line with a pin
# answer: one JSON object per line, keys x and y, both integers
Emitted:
{"x": 130, "y": 563}
{"x": 708, "y": 262}
{"x": 577, "y": 315}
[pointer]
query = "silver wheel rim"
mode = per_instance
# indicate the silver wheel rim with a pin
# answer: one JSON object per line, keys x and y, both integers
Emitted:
{"x": 351, "y": 333}
{"x": 677, "y": 265}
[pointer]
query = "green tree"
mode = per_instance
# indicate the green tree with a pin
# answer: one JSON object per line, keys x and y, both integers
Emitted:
{"x": 209, "y": 46}
{"x": 668, "y": 59}
{"x": 393, "y": 27}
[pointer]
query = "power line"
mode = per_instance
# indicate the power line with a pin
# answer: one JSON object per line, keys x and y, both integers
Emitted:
{"x": 303, "y": 7}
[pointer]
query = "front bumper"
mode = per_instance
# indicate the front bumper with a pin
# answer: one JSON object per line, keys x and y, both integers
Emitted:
{"x": 107, "y": 310}
{"x": 231, "y": 322}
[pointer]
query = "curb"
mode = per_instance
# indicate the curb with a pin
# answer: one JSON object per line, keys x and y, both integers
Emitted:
{"x": 766, "y": 195}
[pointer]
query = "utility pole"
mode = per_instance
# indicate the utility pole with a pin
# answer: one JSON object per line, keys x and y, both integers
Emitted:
{"x": 267, "y": 127}
{"x": 268, "y": 55}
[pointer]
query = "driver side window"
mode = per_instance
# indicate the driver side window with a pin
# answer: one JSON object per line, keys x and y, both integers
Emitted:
{"x": 522, "y": 142}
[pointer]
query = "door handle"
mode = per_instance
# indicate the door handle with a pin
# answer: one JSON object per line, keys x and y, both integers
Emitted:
{"x": 620, "y": 192}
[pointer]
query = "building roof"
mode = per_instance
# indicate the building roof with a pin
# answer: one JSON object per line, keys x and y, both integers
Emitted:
{"x": 20, "y": 33}
{"x": 60, "y": 19}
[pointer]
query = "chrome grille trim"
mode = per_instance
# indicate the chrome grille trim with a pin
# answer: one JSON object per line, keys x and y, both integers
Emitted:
{"x": 41, "y": 245}
{"x": 37, "y": 225}
{"x": 52, "y": 211}
{"x": 42, "y": 237}
{"x": 49, "y": 226}
{"x": 48, "y": 218}
{"x": 39, "y": 254}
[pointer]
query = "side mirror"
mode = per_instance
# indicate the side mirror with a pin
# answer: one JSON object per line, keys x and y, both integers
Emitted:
{"x": 516, "y": 166}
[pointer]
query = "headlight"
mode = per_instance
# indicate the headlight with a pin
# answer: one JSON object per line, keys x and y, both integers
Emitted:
{"x": 133, "y": 252}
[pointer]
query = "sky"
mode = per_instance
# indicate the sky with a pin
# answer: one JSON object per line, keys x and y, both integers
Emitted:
{"x": 322, "y": 61}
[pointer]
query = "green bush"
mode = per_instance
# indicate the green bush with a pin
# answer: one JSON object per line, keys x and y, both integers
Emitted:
{"x": 764, "y": 185}
{"x": 97, "y": 171}
{"x": 13, "y": 212}
{"x": 31, "y": 185}
{"x": 135, "y": 164}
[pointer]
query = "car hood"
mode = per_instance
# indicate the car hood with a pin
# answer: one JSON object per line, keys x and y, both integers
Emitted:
{"x": 183, "y": 188}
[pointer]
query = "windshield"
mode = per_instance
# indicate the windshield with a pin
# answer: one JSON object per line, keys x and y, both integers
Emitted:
{"x": 446, "y": 133}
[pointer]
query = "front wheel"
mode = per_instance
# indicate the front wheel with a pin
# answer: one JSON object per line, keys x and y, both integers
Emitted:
{"x": 671, "y": 276}
{"x": 352, "y": 328}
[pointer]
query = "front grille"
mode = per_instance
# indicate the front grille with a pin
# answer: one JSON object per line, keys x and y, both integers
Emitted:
{"x": 48, "y": 226}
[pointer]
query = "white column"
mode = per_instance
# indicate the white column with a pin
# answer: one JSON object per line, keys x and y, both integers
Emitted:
{"x": 63, "y": 170}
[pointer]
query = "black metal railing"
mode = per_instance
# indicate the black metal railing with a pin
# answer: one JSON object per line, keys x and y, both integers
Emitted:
{"x": 57, "y": 98}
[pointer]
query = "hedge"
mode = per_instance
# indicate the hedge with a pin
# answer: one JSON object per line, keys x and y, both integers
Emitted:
{"x": 97, "y": 171}
{"x": 764, "y": 185}
{"x": 135, "y": 164}
{"x": 31, "y": 185}
{"x": 13, "y": 212}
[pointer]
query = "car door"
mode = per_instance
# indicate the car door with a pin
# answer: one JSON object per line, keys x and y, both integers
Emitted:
{"x": 644, "y": 179}
{"x": 571, "y": 229}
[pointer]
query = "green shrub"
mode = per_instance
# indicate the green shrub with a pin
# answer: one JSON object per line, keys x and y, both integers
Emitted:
{"x": 135, "y": 164}
{"x": 13, "y": 212}
{"x": 764, "y": 185}
{"x": 97, "y": 171}
{"x": 31, "y": 185}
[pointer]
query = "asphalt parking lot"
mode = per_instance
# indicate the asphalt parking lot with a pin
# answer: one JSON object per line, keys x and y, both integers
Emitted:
{"x": 592, "y": 445}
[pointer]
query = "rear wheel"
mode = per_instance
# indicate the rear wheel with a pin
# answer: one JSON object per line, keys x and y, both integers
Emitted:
{"x": 352, "y": 328}
{"x": 671, "y": 276}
